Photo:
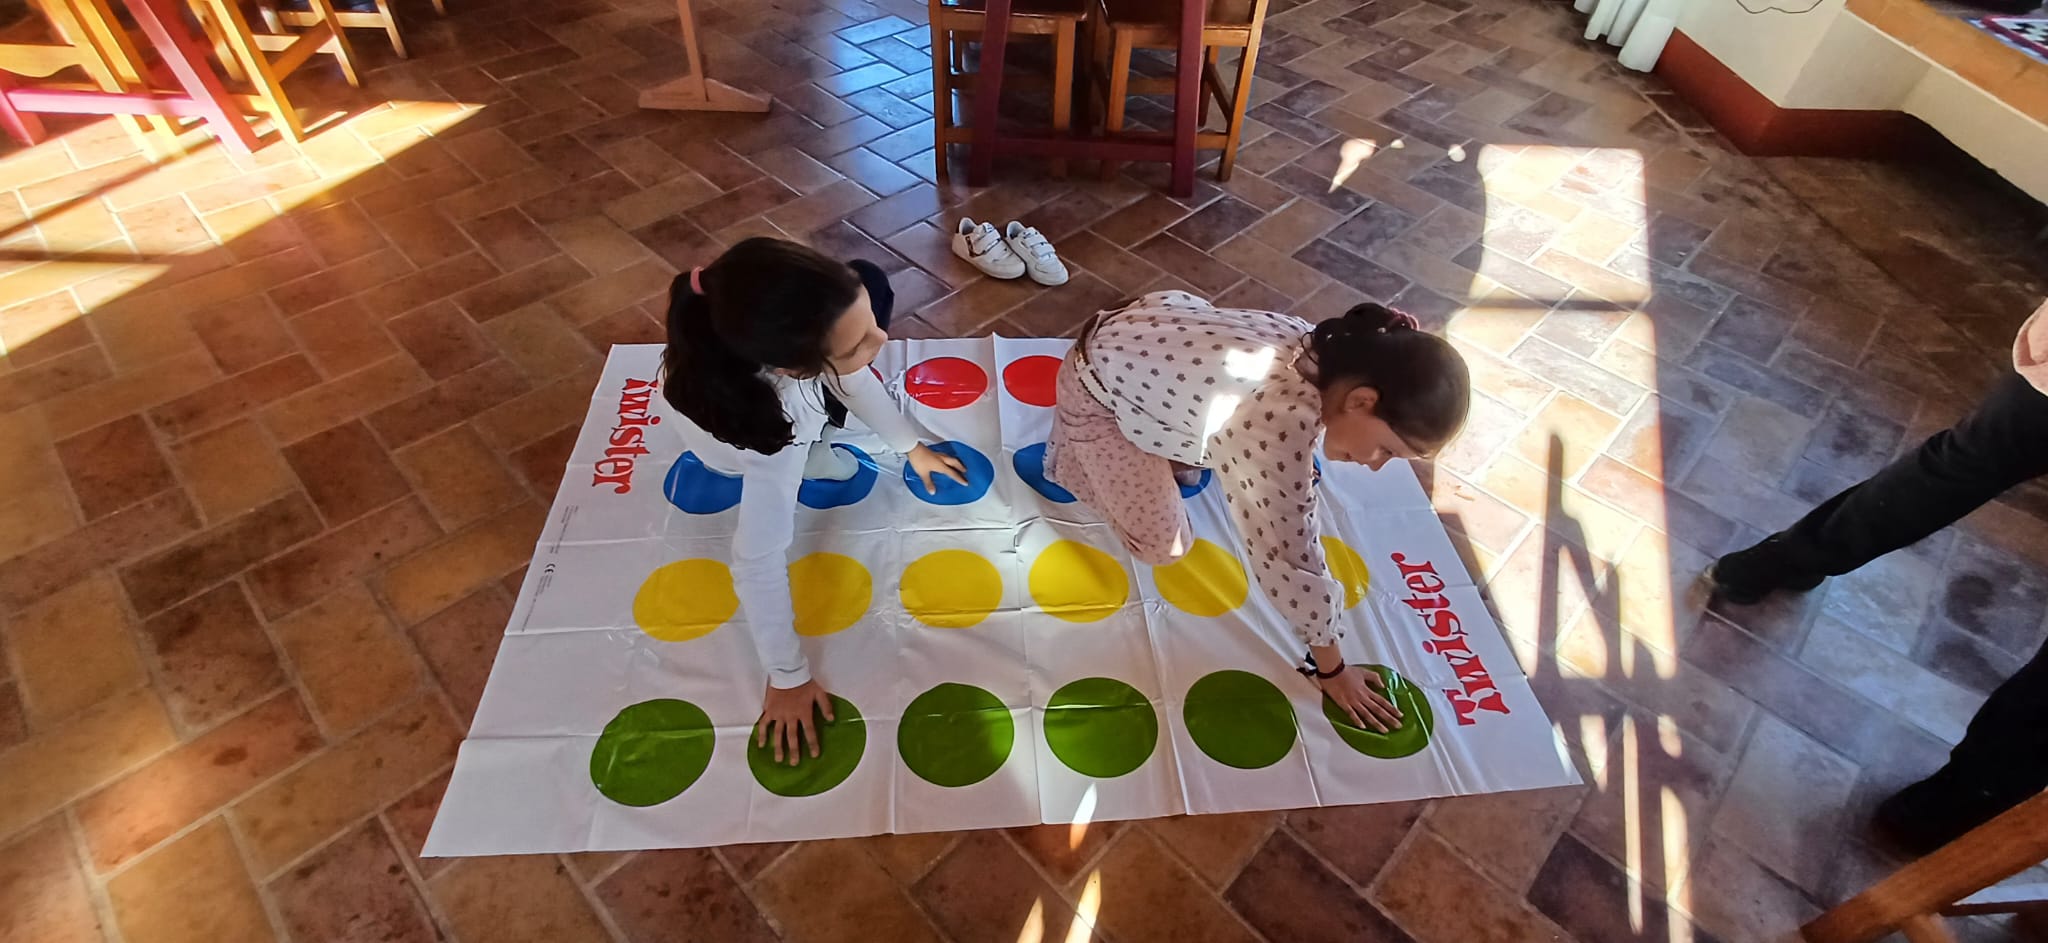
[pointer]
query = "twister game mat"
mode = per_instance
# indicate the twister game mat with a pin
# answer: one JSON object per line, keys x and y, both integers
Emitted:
{"x": 995, "y": 657}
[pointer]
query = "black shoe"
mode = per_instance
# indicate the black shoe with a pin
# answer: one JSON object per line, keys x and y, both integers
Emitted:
{"x": 1933, "y": 812}
{"x": 1745, "y": 577}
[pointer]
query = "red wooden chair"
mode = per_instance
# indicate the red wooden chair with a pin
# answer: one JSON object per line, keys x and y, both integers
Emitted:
{"x": 88, "y": 37}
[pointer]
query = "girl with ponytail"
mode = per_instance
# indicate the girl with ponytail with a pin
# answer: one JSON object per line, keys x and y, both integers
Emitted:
{"x": 1170, "y": 384}
{"x": 767, "y": 347}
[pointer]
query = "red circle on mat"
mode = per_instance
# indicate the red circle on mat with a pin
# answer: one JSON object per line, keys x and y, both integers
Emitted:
{"x": 946, "y": 382}
{"x": 1033, "y": 380}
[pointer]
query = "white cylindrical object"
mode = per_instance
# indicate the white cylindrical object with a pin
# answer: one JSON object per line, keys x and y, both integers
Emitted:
{"x": 1646, "y": 42}
{"x": 1603, "y": 17}
{"x": 1626, "y": 20}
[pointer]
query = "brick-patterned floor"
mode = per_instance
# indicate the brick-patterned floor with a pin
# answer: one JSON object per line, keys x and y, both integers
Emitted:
{"x": 277, "y": 446}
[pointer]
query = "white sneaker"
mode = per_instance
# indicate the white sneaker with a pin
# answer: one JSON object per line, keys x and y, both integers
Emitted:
{"x": 1045, "y": 266}
{"x": 825, "y": 463}
{"x": 984, "y": 248}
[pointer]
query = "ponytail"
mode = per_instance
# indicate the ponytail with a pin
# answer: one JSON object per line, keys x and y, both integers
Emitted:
{"x": 766, "y": 304}
{"x": 1424, "y": 387}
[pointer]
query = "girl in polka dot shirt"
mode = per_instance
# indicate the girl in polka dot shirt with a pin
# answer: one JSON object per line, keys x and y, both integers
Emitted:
{"x": 767, "y": 346}
{"x": 1170, "y": 384}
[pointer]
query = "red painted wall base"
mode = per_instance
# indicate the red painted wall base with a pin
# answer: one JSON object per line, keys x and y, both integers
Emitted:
{"x": 1756, "y": 125}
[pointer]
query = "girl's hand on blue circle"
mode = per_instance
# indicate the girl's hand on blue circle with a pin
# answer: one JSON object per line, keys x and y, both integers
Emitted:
{"x": 927, "y": 462}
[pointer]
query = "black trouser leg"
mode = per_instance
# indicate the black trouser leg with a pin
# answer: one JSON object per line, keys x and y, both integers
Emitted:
{"x": 2002, "y": 444}
{"x": 882, "y": 299}
{"x": 2005, "y": 751}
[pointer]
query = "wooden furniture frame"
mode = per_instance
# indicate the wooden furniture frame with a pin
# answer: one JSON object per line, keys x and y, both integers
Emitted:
{"x": 949, "y": 70}
{"x": 696, "y": 91}
{"x": 92, "y": 39}
{"x": 1956, "y": 880}
{"x": 1179, "y": 147}
{"x": 1120, "y": 34}
{"x": 245, "y": 54}
{"x": 380, "y": 19}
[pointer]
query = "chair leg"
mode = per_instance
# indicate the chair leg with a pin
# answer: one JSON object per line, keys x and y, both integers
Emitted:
{"x": 22, "y": 126}
{"x": 1062, "y": 87}
{"x": 216, "y": 36}
{"x": 338, "y": 44}
{"x": 1119, "y": 89}
{"x": 269, "y": 89}
{"x": 1210, "y": 56}
{"x": 111, "y": 62}
{"x": 391, "y": 28}
{"x": 942, "y": 91}
{"x": 1241, "y": 98}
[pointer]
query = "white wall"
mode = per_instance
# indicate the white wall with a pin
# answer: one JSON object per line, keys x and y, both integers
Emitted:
{"x": 1988, "y": 129}
{"x": 1829, "y": 58}
{"x": 1767, "y": 48}
{"x": 1855, "y": 65}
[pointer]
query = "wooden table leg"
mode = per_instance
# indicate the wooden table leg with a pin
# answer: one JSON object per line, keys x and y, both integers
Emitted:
{"x": 1187, "y": 67}
{"x": 988, "y": 92}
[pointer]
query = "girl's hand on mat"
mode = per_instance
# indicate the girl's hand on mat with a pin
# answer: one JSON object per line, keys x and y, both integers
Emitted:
{"x": 1362, "y": 695}
{"x": 927, "y": 462}
{"x": 789, "y": 715}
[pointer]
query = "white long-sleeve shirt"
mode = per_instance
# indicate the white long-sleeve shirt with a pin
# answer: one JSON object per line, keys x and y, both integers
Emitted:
{"x": 767, "y": 511}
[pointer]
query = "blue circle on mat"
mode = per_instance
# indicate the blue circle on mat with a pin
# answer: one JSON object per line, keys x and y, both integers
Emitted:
{"x": 696, "y": 489}
{"x": 980, "y": 474}
{"x": 822, "y": 494}
{"x": 1030, "y": 464}
{"x": 1189, "y": 491}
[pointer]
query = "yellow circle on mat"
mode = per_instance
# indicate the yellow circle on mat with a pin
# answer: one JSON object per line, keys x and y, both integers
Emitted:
{"x": 830, "y": 592}
{"x": 1078, "y": 583}
{"x": 951, "y": 589}
{"x": 685, "y": 600}
{"x": 1207, "y": 582}
{"x": 1349, "y": 568}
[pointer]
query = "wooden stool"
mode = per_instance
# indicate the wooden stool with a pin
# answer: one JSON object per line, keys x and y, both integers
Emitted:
{"x": 1956, "y": 880}
{"x": 1154, "y": 24}
{"x": 1059, "y": 19}
{"x": 244, "y": 53}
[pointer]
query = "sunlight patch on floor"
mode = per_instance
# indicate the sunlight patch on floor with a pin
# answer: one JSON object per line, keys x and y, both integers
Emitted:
{"x": 75, "y": 252}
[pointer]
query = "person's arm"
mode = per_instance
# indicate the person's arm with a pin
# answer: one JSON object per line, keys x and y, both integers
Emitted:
{"x": 1272, "y": 500}
{"x": 1268, "y": 475}
{"x": 864, "y": 395}
{"x": 760, "y": 561}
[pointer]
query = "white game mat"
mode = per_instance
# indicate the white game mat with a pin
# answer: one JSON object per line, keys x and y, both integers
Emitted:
{"x": 996, "y": 657}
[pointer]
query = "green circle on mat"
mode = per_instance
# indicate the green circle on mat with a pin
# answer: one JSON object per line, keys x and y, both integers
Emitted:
{"x": 840, "y": 745}
{"x": 955, "y": 735}
{"x": 651, "y": 752}
{"x": 1406, "y": 740}
{"x": 1239, "y": 719}
{"x": 1101, "y": 727}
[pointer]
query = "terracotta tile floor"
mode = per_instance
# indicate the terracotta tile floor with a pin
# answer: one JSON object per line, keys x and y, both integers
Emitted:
{"x": 278, "y": 443}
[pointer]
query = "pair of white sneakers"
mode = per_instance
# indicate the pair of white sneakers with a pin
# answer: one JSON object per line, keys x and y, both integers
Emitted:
{"x": 1016, "y": 250}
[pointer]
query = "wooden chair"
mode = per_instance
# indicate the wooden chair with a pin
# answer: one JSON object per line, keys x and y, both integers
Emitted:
{"x": 353, "y": 16}
{"x": 245, "y": 55}
{"x": 1059, "y": 19}
{"x": 1128, "y": 25}
{"x": 1956, "y": 880}
{"x": 90, "y": 38}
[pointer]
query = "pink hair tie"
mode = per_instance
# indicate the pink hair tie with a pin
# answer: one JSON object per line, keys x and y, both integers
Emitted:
{"x": 697, "y": 280}
{"x": 1403, "y": 319}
